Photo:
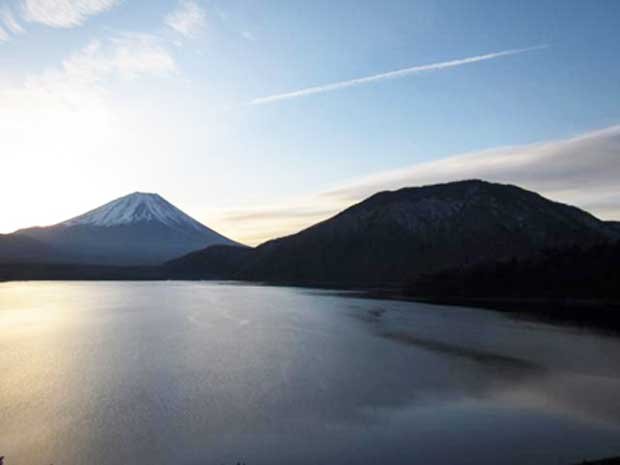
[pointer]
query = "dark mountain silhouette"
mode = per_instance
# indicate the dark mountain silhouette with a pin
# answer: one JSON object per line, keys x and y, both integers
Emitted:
{"x": 394, "y": 236}
{"x": 20, "y": 248}
{"x": 138, "y": 229}
{"x": 614, "y": 224}
{"x": 610, "y": 461}
{"x": 215, "y": 262}
{"x": 571, "y": 272}
{"x": 576, "y": 284}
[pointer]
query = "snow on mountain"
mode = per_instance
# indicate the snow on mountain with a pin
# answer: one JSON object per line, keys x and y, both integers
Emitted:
{"x": 137, "y": 229}
{"x": 135, "y": 208}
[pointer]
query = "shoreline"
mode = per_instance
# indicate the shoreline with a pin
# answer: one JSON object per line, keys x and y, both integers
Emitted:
{"x": 587, "y": 313}
{"x": 601, "y": 314}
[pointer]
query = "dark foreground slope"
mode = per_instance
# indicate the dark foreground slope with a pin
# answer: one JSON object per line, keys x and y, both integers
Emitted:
{"x": 392, "y": 237}
{"x": 610, "y": 461}
{"x": 572, "y": 272}
{"x": 574, "y": 284}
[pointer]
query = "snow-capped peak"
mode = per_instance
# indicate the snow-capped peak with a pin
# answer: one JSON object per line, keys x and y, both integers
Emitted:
{"x": 137, "y": 208}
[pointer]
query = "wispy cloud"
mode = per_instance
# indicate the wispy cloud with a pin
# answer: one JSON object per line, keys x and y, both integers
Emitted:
{"x": 582, "y": 170}
{"x": 391, "y": 75}
{"x": 69, "y": 102}
{"x": 10, "y": 22}
{"x": 53, "y": 13}
{"x": 189, "y": 19}
{"x": 82, "y": 78}
{"x": 126, "y": 56}
{"x": 9, "y": 25}
{"x": 63, "y": 13}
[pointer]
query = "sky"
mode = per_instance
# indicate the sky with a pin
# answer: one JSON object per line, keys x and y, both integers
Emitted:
{"x": 261, "y": 117}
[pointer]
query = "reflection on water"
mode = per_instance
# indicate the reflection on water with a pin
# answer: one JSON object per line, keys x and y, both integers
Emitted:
{"x": 201, "y": 373}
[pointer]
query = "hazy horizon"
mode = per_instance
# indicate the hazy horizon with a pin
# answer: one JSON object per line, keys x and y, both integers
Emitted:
{"x": 261, "y": 118}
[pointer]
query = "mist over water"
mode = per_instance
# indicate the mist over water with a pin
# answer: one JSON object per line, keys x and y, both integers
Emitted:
{"x": 216, "y": 373}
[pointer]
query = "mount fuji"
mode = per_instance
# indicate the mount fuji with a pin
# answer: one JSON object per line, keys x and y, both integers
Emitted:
{"x": 137, "y": 229}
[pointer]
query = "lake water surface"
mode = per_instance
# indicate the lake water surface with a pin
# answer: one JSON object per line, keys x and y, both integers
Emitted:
{"x": 217, "y": 373}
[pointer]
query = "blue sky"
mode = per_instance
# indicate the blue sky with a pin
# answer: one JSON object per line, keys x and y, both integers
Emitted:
{"x": 99, "y": 98}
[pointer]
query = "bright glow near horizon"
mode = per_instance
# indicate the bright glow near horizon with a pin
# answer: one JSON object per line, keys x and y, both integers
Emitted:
{"x": 107, "y": 98}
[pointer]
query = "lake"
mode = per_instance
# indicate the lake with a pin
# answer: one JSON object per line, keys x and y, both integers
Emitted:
{"x": 219, "y": 373}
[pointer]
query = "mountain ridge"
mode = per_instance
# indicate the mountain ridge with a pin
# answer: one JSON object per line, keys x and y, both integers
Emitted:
{"x": 388, "y": 238}
{"x": 393, "y": 236}
{"x": 136, "y": 229}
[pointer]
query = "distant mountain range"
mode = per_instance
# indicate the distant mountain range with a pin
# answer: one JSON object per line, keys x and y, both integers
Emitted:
{"x": 392, "y": 237}
{"x": 137, "y": 229}
{"x": 389, "y": 239}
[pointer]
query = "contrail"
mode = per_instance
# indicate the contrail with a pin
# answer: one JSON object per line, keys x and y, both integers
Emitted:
{"x": 390, "y": 75}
